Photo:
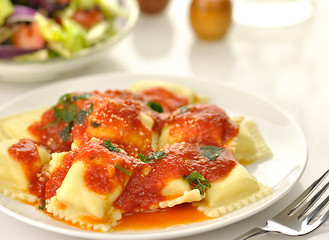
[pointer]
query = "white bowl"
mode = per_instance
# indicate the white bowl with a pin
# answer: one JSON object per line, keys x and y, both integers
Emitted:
{"x": 37, "y": 71}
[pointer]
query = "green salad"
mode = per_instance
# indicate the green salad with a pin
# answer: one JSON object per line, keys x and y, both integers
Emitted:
{"x": 42, "y": 29}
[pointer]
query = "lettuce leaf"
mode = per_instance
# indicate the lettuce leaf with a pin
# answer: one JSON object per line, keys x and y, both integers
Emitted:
{"x": 111, "y": 9}
{"x": 7, "y": 9}
{"x": 5, "y": 33}
{"x": 64, "y": 40}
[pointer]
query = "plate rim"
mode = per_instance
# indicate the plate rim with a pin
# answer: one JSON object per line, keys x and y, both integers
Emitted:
{"x": 163, "y": 233}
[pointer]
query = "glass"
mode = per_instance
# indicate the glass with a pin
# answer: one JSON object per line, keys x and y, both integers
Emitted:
{"x": 272, "y": 13}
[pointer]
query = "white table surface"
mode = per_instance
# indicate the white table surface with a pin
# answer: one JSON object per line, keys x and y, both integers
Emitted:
{"x": 289, "y": 66}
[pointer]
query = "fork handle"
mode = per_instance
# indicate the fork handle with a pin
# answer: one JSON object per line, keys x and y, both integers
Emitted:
{"x": 251, "y": 233}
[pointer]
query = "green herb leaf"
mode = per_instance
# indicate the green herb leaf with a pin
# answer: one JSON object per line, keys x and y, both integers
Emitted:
{"x": 157, "y": 155}
{"x": 94, "y": 124}
{"x": 109, "y": 145}
{"x": 81, "y": 96}
{"x": 65, "y": 133}
{"x": 43, "y": 205}
{"x": 183, "y": 109}
{"x": 91, "y": 109}
{"x": 122, "y": 169}
{"x": 196, "y": 177}
{"x": 81, "y": 116}
{"x": 52, "y": 123}
{"x": 211, "y": 152}
{"x": 144, "y": 158}
{"x": 66, "y": 114}
{"x": 70, "y": 97}
{"x": 155, "y": 106}
{"x": 66, "y": 98}
{"x": 153, "y": 156}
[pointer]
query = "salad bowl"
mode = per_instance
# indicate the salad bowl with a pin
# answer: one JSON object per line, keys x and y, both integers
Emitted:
{"x": 37, "y": 66}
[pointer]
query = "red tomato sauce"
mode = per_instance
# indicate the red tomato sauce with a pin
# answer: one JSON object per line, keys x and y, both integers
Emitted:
{"x": 161, "y": 218}
{"x": 101, "y": 175}
{"x": 48, "y": 134}
{"x": 202, "y": 123}
{"x": 181, "y": 159}
{"x": 58, "y": 175}
{"x": 26, "y": 152}
{"x": 168, "y": 100}
{"x": 38, "y": 184}
{"x": 120, "y": 121}
{"x": 48, "y": 130}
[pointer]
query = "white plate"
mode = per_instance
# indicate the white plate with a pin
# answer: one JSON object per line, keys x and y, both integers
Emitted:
{"x": 280, "y": 132}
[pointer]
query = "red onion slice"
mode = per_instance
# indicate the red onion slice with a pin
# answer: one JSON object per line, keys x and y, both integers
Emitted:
{"x": 8, "y": 52}
{"x": 21, "y": 14}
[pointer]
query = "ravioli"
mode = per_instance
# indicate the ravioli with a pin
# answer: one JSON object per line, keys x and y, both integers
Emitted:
{"x": 202, "y": 123}
{"x": 84, "y": 184}
{"x": 164, "y": 92}
{"x": 164, "y": 185}
{"x": 21, "y": 162}
{"x": 16, "y": 126}
{"x": 121, "y": 120}
{"x": 54, "y": 129}
{"x": 250, "y": 146}
{"x": 238, "y": 189}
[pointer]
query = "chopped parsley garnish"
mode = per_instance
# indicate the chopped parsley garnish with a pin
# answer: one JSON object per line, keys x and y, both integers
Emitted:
{"x": 43, "y": 205}
{"x": 94, "y": 124}
{"x": 66, "y": 98}
{"x": 81, "y": 96}
{"x": 211, "y": 152}
{"x": 183, "y": 109}
{"x": 66, "y": 114}
{"x": 109, "y": 145}
{"x": 199, "y": 180}
{"x": 70, "y": 97}
{"x": 153, "y": 156}
{"x": 155, "y": 106}
{"x": 157, "y": 155}
{"x": 144, "y": 158}
{"x": 67, "y": 111}
{"x": 65, "y": 133}
{"x": 81, "y": 116}
{"x": 122, "y": 169}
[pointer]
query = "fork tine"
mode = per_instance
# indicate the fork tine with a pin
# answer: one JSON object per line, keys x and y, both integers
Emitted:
{"x": 319, "y": 221}
{"x": 318, "y": 209}
{"x": 289, "y": 225}
{"x": 311, "y": 202}
{"x": 301, "y": 198}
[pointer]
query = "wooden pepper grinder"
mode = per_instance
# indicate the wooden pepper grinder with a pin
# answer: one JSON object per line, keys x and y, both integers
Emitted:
{"x": 210, "y": 19}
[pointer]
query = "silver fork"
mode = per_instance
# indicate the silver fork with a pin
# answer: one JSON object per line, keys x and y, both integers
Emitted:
{"x": 296, "y": 220}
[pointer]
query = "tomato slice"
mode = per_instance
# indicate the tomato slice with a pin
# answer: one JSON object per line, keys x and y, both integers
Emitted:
{"x": 28, "y": 37}
{"x": 88, "y": 18}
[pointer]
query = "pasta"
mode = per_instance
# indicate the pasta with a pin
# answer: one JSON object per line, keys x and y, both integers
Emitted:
{"x": 21, "y": 162}
{"x": 95, "y": 157}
